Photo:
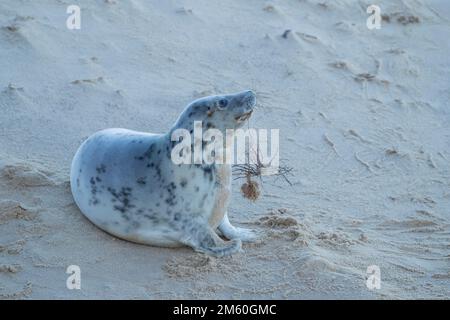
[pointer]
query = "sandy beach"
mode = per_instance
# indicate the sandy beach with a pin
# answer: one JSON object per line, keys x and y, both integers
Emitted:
{"x": 364, "y": 121}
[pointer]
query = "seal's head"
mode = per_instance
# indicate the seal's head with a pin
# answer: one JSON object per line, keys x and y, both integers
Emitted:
{"x": 219, "y": 112}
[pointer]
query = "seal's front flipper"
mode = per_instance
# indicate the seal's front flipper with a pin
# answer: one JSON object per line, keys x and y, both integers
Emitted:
{"x": 204, "y": 239}
{"x": 231, "y": 232}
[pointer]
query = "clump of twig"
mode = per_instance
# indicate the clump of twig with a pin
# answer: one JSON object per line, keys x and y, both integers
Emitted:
{"x": 246, "y": 170}
{"x": 250, "y": 189}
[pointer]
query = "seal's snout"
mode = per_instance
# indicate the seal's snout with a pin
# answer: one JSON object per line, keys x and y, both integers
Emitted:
{"x": 249, "y": 99}
{"x": 246, "y": 103}
{"x": 249, "y": 93}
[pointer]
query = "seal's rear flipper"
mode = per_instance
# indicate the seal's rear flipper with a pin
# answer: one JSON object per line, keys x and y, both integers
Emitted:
{"x": 204, "y": 239}
{"x": 231, "y": 232}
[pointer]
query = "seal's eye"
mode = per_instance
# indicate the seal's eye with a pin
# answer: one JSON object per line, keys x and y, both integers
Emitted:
{"x": 223, "y": 103}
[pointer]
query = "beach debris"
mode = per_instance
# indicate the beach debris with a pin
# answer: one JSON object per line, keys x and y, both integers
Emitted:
{"x": 92, "y": 81}
{"x": 250, "y": 189}
{"x": 12, "y": 86}
{"x": 391, "y": 151}
{"x": 339, "y": 65}
{"x": 286, "y": 33}
{"x": 184, "y": 10}
{"x": 269, "y": 8}
{"x": 364, "y": 77}
{"x": 12, "y": 28}
{"x": 363, "y": 238}
{"x": 401, "y": 18}
{"x": 385, "y": 18}
{"x": 404, "y": 20}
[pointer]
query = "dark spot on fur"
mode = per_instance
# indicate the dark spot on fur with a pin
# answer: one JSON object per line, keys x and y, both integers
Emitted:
{"x": 171, "y": 197}
{"x": 135, "y": 224}
{"x": 158, "y": 172}
{"x": 141, "y": 180}
{"x": 208, "y": 171}
{"x": 123, "y": 197}
{"x": 101, "y": 169}
{"x": 94, "y": 191}
{"x": 183, "y": 182}
{"x": 170, "y": 201}
{"x": 149, "y": 152}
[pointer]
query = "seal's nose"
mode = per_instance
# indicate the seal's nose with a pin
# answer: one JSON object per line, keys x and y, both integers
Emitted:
{"x": 249, "y": 93}
{"x": 248, "y": 98}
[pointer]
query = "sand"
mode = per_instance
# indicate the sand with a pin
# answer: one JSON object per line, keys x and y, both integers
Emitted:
{"x": 363, "y": 116}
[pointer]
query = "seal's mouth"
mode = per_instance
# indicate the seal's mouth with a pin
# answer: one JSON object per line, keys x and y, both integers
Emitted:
{"x": 243, "y": 117}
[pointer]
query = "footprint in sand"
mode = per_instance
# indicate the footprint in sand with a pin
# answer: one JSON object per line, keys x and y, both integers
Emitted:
{"x": 23, "y": 175}
{"x": 13, "y": 210}
{"x": 13, "y": 248}
{"x": 283, "y": 226}
{"x": 25, "y": 292}
{"x": 10, "y": 268}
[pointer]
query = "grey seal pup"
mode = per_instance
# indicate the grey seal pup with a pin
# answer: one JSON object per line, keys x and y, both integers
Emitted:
{"x": 125, "y": 183}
